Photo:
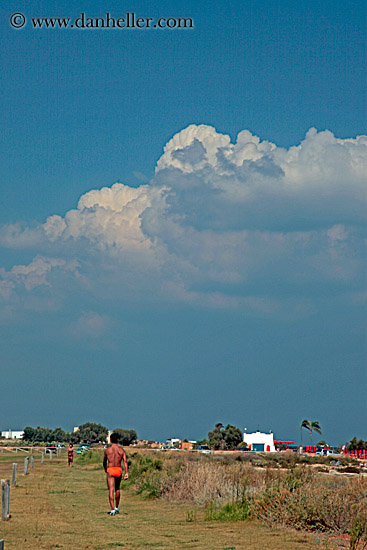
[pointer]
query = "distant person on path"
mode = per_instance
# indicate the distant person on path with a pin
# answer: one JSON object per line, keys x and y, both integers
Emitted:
{"x": 70, "y": 454}
{"x": 112, "y": 466}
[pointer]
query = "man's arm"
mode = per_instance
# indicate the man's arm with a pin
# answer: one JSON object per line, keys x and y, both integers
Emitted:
{"x": 105, "y": 462}
{"x": 125, "y": 464}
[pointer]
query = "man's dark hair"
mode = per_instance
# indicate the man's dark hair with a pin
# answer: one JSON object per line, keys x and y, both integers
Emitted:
{"x": 114, "y": 437}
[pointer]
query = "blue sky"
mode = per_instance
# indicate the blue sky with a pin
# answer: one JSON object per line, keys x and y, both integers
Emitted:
{"x": 223, "y": 277}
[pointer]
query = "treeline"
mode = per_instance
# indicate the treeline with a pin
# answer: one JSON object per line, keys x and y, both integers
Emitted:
{"x": 87, "y": 433}
{"x": 357, "y": 445}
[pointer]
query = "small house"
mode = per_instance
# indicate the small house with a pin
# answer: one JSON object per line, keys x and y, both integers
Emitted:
{"x": 259, "y": 441}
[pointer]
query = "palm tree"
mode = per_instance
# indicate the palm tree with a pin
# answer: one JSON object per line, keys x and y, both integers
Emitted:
{"x": 305, "y": 424}
{"x": 314, "y": 426}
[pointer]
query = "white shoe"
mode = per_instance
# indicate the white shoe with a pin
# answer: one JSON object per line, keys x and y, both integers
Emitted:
{"x": 112, "y": 513}
{"x": 117, "y": 510}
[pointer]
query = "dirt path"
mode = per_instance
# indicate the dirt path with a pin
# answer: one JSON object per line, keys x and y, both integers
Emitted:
{"x": 57, "y": 507}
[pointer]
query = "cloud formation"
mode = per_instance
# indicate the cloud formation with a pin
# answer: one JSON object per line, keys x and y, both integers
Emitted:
{"x": 244, "y": 225}
{"x": 36, "y": 272}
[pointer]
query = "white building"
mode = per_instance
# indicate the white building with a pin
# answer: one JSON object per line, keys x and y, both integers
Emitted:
{"x": 12, "y": 434}
{"x": 259, "y": 441}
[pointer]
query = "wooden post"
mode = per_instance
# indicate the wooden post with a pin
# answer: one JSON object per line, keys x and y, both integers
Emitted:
{"x": 5, "y": 497}
{"x": 26, "y": 464}
{"x": 8, "y": 498}
{"x": 42, "y": 457}
{"x": 14, "y": 478}
{"x": 50, "y": 454}
{"x": 32, "y": 462}
{"x": 3, "y": 500}
{"x": 58, "y": 451}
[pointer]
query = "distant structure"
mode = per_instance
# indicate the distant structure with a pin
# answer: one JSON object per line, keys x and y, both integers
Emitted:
{"x": 188, "y": 445}
{"x": 12, "y": 434}
{"x": 259, "y": 441}
{"x": 175, "y": 441}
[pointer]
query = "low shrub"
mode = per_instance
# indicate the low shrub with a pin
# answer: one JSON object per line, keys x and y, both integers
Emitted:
{"x": 232, "y": 511}
{"x": 358, "y": 532}
{"x": 90, "y": 457}
{"x": 145, "y": 475}
{"x": 314, "y": 504}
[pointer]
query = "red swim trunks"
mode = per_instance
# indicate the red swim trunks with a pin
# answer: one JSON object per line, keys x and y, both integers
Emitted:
{"x": 114, "y": 471}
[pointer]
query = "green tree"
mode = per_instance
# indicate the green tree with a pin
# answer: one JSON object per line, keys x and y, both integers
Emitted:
{"x": 42, "y": 435}
{"x": 58, "y": 435}
{"x": 127, "y": 437}
{"x": 305, "y": 424}
{"x": 28, "y": 434}
{"x": 224, "y": 438}
{"x": 232, "y": 436}
{"x": 73, "y": 437}
{"x": 216, "y": 437}
{"x": 91, "y": 432}
{"x": 313, "y": 426}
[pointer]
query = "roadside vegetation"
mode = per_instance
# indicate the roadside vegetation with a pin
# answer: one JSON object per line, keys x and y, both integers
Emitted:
{"x": 315, "y": 494}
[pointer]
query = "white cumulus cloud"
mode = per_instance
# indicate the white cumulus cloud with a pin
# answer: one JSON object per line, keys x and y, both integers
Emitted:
{"x": 241, "y": 225}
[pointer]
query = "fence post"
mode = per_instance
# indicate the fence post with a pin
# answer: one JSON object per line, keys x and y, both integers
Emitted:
{"x": 50, "y": 454}
{"x": 2, "y": 544}
{"x": 32, "y": 462}
{"x": 42, "y": 457}
{"x": 26, "y": 464}
{"x": 58, "y": 451}
{"x": 5, "y": 497}
{"x": 14, "y": 477}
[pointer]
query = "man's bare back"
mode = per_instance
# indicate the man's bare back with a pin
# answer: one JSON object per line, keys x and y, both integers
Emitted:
{"x": 114, "y": 455}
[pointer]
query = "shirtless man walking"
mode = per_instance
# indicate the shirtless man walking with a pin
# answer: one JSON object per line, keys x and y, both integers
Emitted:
{"x": 112, "y": 466}
{"x": 70, "y": 454}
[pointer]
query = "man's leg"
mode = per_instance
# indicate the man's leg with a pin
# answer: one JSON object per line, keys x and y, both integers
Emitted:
{"x": 117, "y": 491}
{"x": 111, "y": 490}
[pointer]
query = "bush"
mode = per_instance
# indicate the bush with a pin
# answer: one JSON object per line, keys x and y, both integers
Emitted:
{"x": 312, "y": 503}
{"x": 358, "y": 531}
{"x": 90, "y": 457}
{"x": 234, "y": 511}
{"x": 145, "y": 475}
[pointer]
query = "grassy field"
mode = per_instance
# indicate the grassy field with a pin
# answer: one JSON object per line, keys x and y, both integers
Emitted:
{"x": 60, "y": 507}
